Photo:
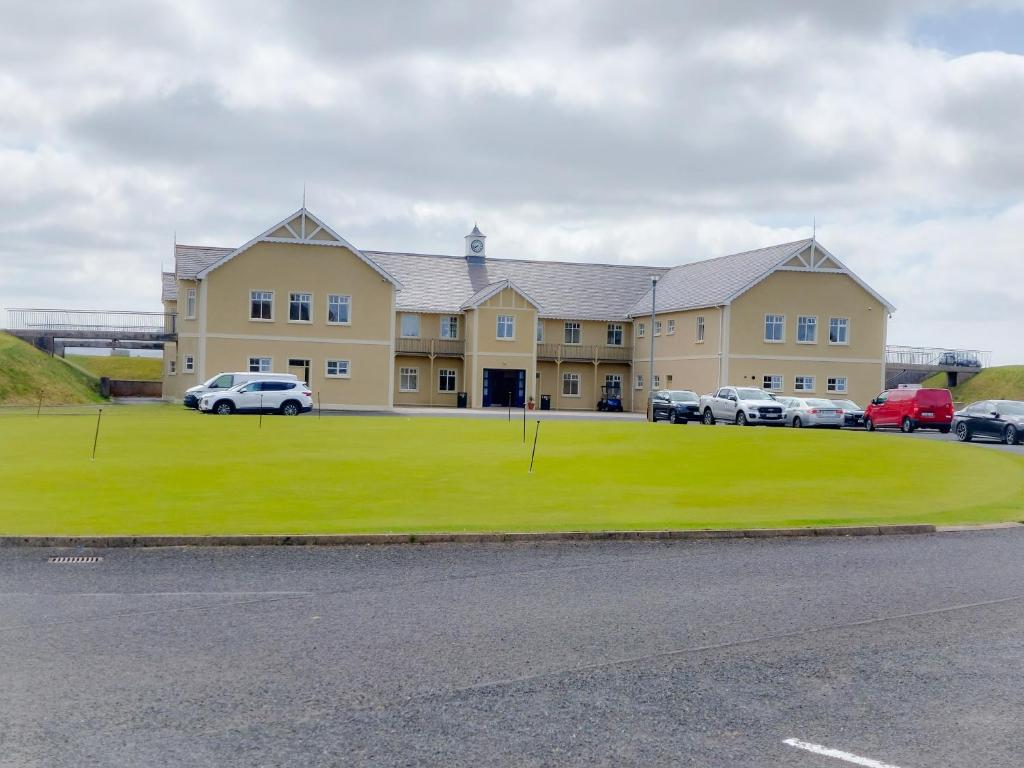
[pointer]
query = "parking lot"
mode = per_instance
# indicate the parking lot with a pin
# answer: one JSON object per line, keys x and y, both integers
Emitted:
{"x": 901, "y": 650}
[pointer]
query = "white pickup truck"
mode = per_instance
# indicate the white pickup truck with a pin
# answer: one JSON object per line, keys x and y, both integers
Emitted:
{"x": 742, "y": 405}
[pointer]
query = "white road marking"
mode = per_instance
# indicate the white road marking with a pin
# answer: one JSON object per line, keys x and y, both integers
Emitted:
{"x": 817, "y": 749}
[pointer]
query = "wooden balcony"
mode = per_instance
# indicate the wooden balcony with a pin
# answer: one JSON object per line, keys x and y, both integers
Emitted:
{"x": 591, "y": 353}
{"x": 431, "y": 347}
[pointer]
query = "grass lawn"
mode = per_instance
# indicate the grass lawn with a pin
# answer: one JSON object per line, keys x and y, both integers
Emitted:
{"x": 117, "y": 367}
{"x": 163, "y": 469}
{"x": 26, "y": 374}
{"x": 1004, "y": 382}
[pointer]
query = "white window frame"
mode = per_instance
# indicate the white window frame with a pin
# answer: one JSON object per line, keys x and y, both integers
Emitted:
{"x": 190, "y": 364}
{"x": 401, "y": 326}
{"x": 411, "y": 373}
{"x": 768, "y": 382}
{"x": 571, "y": 377}
{"x": 540, "y": 330}
{"x": 657, "y": 327}
{"x": 699, "y": 331}
{"x": 641, "y": 330}
{"x": 639, "y": 382}
{"x": 348, "y": 306}
{"x": 613, "y": 378}
{"x": 190, "y": 304}
{"x": 300, "y": 301}
{"x": 445, "y": 329}
{"x": 671, "y": 329}
{"x": 845, "y": 327}
{"x": 259, "y": 364}
{"x": 782, "y": 322}
{"x": 271, "y": 300}
{"x": 447, "y": 373}
{"x": 809, "y": 321}
{"x": 172, "y": 367}
{"x": 510, "y": 323}
{"x": 832, "y": 384}
{"x": 572, "y": 328}
{"x": 800, "y": 383}
{"x": 337, "y": 374}
{"x": 615, "y": 330}
{"x": 657, "y": 381}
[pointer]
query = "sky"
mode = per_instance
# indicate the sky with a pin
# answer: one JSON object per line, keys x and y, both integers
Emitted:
{"x": 653, "y": 132}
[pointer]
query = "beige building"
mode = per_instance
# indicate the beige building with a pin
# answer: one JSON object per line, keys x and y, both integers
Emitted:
{"x": 374, "y": 329}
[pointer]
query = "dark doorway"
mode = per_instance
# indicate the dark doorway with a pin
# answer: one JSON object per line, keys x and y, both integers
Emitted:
{"x": 300, "y": 368}
{"x": 501, "y": 384}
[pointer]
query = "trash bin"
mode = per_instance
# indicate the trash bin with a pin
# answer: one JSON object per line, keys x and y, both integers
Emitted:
{"x": 545, "y": 402}
{"x": 463, "y": 400}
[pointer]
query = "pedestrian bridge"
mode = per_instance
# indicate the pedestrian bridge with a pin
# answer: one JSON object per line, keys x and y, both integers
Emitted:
{"x": 912, "y": 365}
{"x": 55, "y": 329}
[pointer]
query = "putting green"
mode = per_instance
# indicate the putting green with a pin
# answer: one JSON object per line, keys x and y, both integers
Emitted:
{"x": 165, "y": 470}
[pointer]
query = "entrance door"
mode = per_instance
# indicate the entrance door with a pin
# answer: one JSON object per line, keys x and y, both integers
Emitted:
{"x": 502, "y": 386}
{"x": 300, "y": 368}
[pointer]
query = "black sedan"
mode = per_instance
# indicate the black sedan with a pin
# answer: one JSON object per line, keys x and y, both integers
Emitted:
{"x": 853, "y": 414}
{"x": 677, "y": 405}
{"x": 1001, "y": 420}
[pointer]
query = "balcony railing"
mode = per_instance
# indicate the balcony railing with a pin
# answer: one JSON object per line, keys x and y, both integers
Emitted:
{"x": 937, "y": 357}
{"x": 81, "y": 321}
{"x": 435, "y": 347}
{"x": 589, "y": 352}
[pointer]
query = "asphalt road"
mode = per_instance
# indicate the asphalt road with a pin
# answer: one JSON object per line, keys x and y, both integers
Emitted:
{"x": 903, "y": 650}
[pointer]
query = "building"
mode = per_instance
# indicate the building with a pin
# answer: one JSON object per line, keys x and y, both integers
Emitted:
{"x": 374, "y": 329}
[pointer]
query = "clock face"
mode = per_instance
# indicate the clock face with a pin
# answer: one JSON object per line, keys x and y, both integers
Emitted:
{"x": 477, "y": 246}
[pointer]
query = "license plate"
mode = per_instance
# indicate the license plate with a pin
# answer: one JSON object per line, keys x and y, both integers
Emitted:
{"x": 928, "y": 415}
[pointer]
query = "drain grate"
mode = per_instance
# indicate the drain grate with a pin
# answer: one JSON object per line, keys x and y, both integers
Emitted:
{"x": 75, "y": 559}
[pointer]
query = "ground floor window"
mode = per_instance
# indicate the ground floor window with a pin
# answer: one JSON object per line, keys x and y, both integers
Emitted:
{"x": 571, "y": 384}
{"x": 803, "y": 384}
{"x": 613, "y": 381}
{"x": 409, "y": 380}
{"x": 172, "y": 367}
{"x": 337, "y": 369}
{"x": 190, "y": 363}
{"x": 639, "y": 381}
{"x": 260, "y": 364}
{"x": 446, "y": 380}
{"x": 837, "y": 384}
{"x": 657, "y": 381}
{"x": 772, "y": 382}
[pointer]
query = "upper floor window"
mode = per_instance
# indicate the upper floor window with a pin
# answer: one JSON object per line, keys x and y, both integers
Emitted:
{"x": 573, "y": 333}
{"x": 261, "y": 305}
{"x": 506, "y": 327}
{"x": 807, "y": 329}
{"x": 614, "y": 334}
{"x": 410, "y": 326}
{"x": 657, "y": 327}
{"x": 450, "y": 327}
{"x": 641, "y": 330}
{"x": 700, "y": 329}
{"x": 190, "y": 304}
{"x": 339, "y": 309}
{"x": 540, "y": 329}
{"x": 838, "y": 330}
{"x": 671, "y": 327}
{"x": 774, "y": 328}
{"x": 300, "y": 307}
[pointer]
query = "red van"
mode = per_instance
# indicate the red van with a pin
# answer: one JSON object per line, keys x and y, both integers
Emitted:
{"x": 911, "y": 408}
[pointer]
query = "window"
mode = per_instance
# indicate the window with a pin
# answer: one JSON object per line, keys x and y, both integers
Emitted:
{"x": 641, "y": 330}
{"x": 571, "y": 384}
{"x": 260, "y": 364}
{"x": 261, "y": 305}
{"x": 613, "y": 381}
{"x": 774, "y": 328}
{"x": 450, "y": 327}
{"x": 807, "y": 329}
{"x": 700, "y": 329}
{"x": 803, "y": 384}
{"x": 339, "y": 309}
{"x": 410, "y": 326}
{"x": 408, "y": 379}
{"x": 172, "y": 367}
{"x": 300, "y": 307}
{"x": 838, "y": 330}
{"x": 657, "y": 381}
{"x": 337, "y": 369}
{"x": 540, "y": 329}
{"x": 190, "y": 364}
{"x": 506, "y": 327}
{"x": 446, "y": 380}
{"x": 836, "y": 384}
{"x": 639, "y": 381}
{"x": 657, "y": 327}
{"x": 671, "y": 327}
{"x": 772, "y": 382}
{"x": 573, "y": 335}
{"x": 614, "y": 334}
{"x": 190, "y": 304}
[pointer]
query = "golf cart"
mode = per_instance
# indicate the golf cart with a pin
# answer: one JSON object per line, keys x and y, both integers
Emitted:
{"x": 611, "y": 398}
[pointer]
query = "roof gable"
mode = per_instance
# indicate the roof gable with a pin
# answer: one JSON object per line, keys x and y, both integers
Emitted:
{"x": 489, "y": 291}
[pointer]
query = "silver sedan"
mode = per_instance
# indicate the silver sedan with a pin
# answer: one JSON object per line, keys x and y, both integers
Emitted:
{"x": 813, "y": 412}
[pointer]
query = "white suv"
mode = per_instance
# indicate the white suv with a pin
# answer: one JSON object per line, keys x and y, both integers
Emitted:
{"x": 289, "y": 398}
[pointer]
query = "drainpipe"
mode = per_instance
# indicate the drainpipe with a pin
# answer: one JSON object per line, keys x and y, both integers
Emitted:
{"x": 654, "y": 294}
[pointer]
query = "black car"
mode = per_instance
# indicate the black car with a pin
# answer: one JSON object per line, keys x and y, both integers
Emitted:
{"x": 853, "y": 414}
{"x": 1001, "y": 420}
{"x": 677, "y": 405}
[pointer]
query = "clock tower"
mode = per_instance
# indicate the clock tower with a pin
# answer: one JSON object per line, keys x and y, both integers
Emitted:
{"x": 476, "y": 243}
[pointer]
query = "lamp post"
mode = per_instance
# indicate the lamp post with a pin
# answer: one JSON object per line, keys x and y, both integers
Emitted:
{"x": 654, "y": 303}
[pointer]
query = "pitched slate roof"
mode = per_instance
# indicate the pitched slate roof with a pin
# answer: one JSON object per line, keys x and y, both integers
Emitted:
{"x": 190, "y": 260}
{"x": 579, "y": 291}
{"x": 168, "y": 286}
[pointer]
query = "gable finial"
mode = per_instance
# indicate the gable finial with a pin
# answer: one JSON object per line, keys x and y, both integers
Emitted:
{"x": 303, "y": 195}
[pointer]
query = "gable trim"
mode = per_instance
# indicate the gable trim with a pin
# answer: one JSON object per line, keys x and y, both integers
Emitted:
{"x": 493, "y": 290}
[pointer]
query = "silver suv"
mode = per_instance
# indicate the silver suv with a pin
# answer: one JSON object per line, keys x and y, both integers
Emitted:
{"x": 225, "y": 381}
{"x": 289, "y": 398}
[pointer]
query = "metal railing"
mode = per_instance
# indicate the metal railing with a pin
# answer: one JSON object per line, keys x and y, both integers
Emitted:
{"x": 588, "y": 352}
{"x": 937, "y": 357}
{"x": 90, "y": 320}
{"x": 442, "y": 347}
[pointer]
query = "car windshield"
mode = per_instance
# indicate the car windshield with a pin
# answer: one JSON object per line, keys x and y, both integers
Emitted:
{"x": 847, "y": 405}
{"x": 683, "y": 396}
{"x": 1010, "y": 407}
{"x": 818, "y": 402}
{"x": 753, "y": 394}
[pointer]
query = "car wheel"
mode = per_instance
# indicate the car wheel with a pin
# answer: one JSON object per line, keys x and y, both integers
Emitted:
{"x": 1011, "y": 436}
{"x": 963, "y": 434}
{"x": 709, "y": 417}
{"x": 224, "y": 408}
{"x": 741, "y": 419}
{"x": 907, "y": 426}
{"x": 290, "y": 408}
{"x": 869, "y": 425}
{"x": 797, "y": 423}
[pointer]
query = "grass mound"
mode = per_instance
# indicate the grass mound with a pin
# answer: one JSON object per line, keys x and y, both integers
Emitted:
{"x": 1005, "y": 382}
{"x": 127, "y": 368}
{"x": 26, "y": 373}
